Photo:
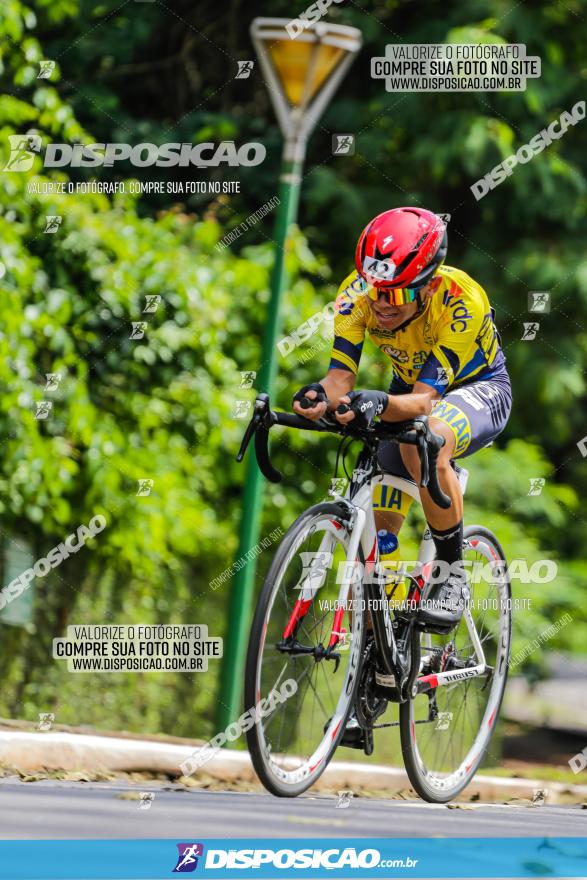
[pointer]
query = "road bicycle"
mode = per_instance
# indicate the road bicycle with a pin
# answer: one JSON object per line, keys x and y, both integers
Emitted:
{"x": 324, "y": 621}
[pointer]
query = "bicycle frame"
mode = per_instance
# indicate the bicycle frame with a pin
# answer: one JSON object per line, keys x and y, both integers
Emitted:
{"x": 393, "y": 654}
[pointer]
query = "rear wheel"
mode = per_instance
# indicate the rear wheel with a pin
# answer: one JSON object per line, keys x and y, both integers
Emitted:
{"x": 445, "y": 732}
{"x": 292, "y": 744}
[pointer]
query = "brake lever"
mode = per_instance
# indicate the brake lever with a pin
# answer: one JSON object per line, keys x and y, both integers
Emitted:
{"x": 424, "y": 462}
{"x": 261, "y": 417}
{"x": 429, "y": 445}
{"x": 250, "y": 430}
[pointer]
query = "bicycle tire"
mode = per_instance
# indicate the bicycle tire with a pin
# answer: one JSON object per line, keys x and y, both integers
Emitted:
{"x": 266, "y": 773}
{"x": 435, "y": 789}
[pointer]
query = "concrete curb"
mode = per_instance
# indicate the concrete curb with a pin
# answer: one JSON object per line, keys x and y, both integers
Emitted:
{"x": 30, "y": 753}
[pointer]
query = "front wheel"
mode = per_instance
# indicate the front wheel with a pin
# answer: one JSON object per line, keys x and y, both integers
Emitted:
{"x": 292, "y": 742}
{"x": 445, "y": 732}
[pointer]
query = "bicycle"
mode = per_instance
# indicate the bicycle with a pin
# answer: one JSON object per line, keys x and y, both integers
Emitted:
{"x": 311, "y": 619}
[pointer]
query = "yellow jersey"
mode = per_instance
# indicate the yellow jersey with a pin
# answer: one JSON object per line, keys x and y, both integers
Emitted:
{"x": 451, "y": 341}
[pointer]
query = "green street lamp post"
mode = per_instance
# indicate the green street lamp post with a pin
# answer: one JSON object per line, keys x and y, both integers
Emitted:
{"x": 302, "y": 73}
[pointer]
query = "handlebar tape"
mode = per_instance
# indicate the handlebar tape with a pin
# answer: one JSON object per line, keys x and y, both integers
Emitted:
{"x": 262, "y": 453}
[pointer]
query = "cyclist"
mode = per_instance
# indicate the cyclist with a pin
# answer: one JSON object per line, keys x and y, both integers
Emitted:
{"x": 436, "y": 325}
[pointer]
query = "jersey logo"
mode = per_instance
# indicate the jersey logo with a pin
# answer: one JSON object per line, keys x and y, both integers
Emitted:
{"x": 460, "y": 315}
{"x": 387, "y": 240}
{"x": 396, "y": 353}
{"x": 419, "y": 359}
{"x": 427, "y": 334}
{"x": 346, "y": 299}
{"x": 343, "y": 304}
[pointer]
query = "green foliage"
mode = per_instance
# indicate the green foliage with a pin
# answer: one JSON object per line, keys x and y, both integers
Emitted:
{"x": 160, "y": 408}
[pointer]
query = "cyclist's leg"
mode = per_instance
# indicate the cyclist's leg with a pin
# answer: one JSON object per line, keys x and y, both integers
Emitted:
{"x": 468, "y": 418}
{"x": 436, "y": 517}
{"x": 390, "y": 504}
{"x": 475, "y": 414}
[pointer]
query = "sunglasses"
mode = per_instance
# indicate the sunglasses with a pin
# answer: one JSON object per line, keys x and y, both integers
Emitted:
{"x": 401, "y": 296}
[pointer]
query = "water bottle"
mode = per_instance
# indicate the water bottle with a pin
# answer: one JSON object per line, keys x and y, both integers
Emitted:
{"x": 395, "y": 586}
{"x": 388, "y": 543}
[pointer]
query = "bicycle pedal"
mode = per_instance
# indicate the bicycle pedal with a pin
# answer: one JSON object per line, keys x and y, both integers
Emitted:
{"x": 353, "y": 738}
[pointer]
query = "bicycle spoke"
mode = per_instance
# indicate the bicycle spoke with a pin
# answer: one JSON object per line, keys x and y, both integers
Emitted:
{"x": 450, "y": 755}
{"x": 294, "y": 731}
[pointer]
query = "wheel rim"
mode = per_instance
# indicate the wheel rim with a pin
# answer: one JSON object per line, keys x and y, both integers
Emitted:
{"x": 298, "y": 737}
{"x": 448, "y": 749}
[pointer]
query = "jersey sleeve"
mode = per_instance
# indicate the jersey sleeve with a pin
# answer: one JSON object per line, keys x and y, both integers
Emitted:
{"x": 349, "y": 332}
{"x": 456, "y": 337}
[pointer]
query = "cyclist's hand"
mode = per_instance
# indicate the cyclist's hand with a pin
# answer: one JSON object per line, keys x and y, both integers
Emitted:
{"x": 314, "y": 392}
{"x": 365, "y": 406}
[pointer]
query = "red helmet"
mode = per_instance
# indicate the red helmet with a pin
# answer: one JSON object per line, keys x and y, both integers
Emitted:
{"x": 401, "y": 248}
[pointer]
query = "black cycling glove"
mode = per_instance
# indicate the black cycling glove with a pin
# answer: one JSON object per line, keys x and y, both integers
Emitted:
{"x": 315, "y": 386}
{"x": 367, "y": 405}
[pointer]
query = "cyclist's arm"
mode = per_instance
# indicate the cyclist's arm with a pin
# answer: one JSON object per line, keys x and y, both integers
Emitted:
{"x": 337, "y": 383}
{"x": 408, "y": 406}
{"x": 349, "y": 335}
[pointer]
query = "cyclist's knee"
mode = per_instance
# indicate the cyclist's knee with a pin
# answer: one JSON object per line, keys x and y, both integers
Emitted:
{"x": 448, "y": 450}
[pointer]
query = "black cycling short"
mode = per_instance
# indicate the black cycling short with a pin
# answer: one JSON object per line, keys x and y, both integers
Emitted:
{"x": 476, "y": 413}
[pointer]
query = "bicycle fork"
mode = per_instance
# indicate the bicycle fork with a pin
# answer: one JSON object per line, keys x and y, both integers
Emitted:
{"x": 312, "y": 581}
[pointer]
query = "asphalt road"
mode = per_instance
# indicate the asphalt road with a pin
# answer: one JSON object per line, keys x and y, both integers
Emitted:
{"x": 53, "y": 810}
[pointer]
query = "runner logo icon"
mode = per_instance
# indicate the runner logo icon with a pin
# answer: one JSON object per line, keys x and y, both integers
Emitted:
{"x": 187, "y": 859}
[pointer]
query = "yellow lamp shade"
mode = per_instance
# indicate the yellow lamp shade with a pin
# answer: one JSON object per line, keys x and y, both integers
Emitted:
{"x": 303, "y": 67}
